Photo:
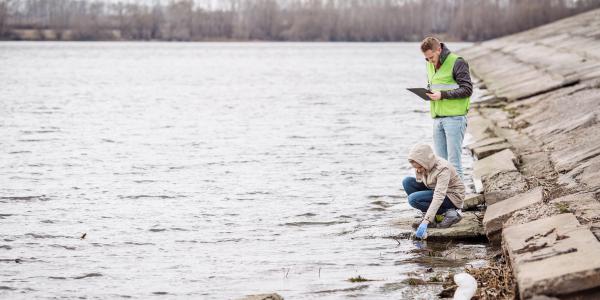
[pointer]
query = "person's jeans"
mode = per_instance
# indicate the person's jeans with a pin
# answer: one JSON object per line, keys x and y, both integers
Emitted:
{"x": 419, "y": 196}
{"x": 448, "y": 135}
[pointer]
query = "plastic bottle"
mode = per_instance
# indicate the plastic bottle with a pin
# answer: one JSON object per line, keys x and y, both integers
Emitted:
{"x": 467, "y": 286}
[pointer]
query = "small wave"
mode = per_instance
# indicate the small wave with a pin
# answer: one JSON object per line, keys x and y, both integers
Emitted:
{"x": 376, "y": 209}
{"x": 88, "y": 276}
{"x": 352, "y": 289}
{"x": 37, "y": 131}
{"x": 7, "y": 288}
{"x": 384, "y": 196}
{"x": 144, "y": 181}
{"x": 381, "y": 203}
{"x": 47, "y": 236}
{"x": 25, "y": 198}
{"x": 258, "y": 193}
{"x": 139, "y": 244}
{"x": 314, "y": 223}
{"x": 63, "y": 246}
{"x": 149, "y": 196}
{"x": 178, "y": 229}
{"x": 309, "y": 214}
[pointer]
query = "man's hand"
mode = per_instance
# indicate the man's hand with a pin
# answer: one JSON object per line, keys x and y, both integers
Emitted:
{"x": 435, "y": 95}
{"x": 422, "y": 230}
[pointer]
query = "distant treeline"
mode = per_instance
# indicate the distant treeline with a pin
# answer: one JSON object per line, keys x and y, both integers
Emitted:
{"x": 279, "y": 20}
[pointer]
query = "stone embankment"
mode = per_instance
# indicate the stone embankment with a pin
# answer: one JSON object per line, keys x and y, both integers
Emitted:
{"x": 536, "y": 129}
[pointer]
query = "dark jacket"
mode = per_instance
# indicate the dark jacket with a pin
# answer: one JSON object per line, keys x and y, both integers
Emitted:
{"x": 461, "y": 75}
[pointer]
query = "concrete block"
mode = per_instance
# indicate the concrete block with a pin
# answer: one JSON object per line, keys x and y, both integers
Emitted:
{"x": 472, "y": 201}
{"x": 503, "y": 186}
{"x": 553, "y": 256}
{"x": 500, "y": 162}
{"x": 584, "y": 206}
{"x": 496, "y": 214}
{"x": 485, "y": 142}
{"x": 479, "y": 128}
{"x": 485, "y": 151}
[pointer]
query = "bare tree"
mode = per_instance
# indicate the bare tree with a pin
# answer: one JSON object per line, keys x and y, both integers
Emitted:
{"x": 297, "y": 20}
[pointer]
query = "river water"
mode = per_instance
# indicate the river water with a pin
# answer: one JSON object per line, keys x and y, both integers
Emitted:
{"x": 207, "y": 170}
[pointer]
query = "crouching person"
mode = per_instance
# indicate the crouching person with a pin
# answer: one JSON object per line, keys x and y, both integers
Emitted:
{"x": 437, "y": 190}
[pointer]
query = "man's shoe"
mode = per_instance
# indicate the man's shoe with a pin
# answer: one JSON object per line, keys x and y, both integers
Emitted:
{"x": 451, "y": 217}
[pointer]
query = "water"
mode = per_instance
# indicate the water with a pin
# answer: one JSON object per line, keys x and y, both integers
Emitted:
{"x": 206, "y": 170}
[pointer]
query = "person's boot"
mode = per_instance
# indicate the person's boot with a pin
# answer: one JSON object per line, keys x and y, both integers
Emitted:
{"x": 451, "y": 217}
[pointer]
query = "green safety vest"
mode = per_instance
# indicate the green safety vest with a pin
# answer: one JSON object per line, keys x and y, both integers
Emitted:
{"x": 442, "y": 80}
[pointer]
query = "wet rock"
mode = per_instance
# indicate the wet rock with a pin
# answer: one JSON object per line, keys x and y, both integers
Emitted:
{"x": 551, "y": 256}
{"x": 414, "y": 281}
{"x": 273, "y": 296}
{"x": 497, "y": 214}
{"x": 469, "y": 228}
{"x": 472, "y": 201}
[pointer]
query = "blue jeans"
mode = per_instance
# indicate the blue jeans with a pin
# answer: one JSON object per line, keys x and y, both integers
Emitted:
{"x": 419, "y": 196}
{"x": 448, "y": 135}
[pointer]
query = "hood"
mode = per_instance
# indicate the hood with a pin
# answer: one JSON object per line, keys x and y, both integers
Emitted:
{"x": 423, "y": 155}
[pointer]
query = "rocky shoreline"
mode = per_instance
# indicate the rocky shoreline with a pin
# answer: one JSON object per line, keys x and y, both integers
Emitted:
{"x": 537, "y": 150}
{"x": 535, "y": 124}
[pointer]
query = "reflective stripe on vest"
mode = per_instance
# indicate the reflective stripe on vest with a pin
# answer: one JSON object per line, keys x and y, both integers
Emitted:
{"x": 443, "y": 87}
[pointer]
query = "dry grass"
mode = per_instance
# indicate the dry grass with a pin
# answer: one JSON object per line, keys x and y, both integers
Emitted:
{"x": 494, "y": 281}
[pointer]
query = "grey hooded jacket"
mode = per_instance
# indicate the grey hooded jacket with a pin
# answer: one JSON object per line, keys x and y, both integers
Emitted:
{"x": 440, "y": 176}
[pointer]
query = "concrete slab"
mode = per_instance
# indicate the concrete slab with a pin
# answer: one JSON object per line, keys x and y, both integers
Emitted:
{"x": 472, "y": 201}
{"x": 536, "y": 164}
{"x": 479, "y": 128}
{"x": 501, "y": 186}
{"x": 497, "y": 214}
{"x": 553, "y": 256}
{"x": 485, "y": 151}
{"x": 493, "y": 164}
{"x": 469, "y": 228}
{"x": 584, "y": 206}
{"x": 485, "y": 142}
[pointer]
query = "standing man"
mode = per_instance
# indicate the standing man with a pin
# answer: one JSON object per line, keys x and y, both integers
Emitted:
{"x": 449, "y": 80}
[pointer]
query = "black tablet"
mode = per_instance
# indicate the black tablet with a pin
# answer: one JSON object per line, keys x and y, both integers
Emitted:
{"x": 421, "y": 92}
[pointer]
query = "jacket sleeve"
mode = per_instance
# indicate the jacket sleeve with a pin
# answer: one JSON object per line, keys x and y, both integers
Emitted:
{"x": 463, "y": 78}
{"x": 441, "y": 187}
